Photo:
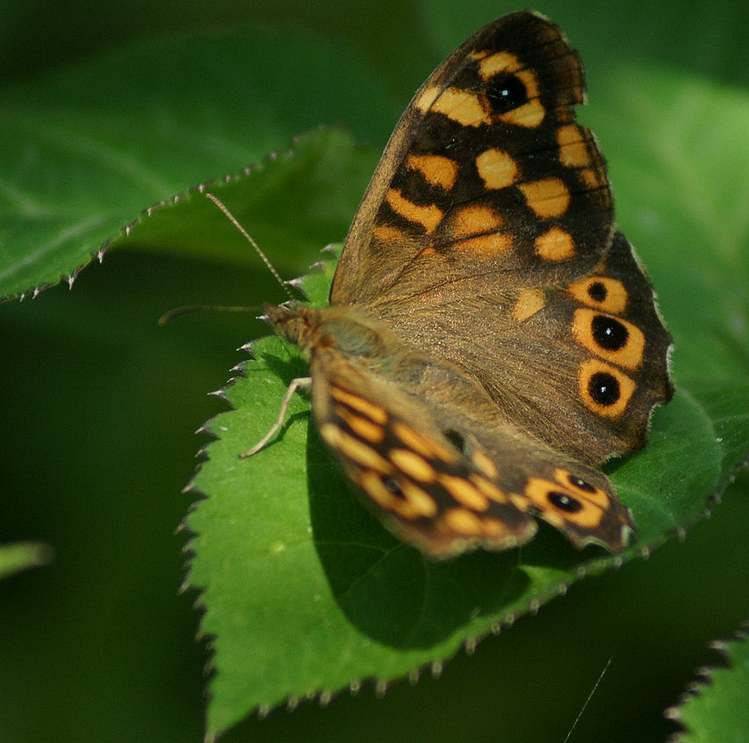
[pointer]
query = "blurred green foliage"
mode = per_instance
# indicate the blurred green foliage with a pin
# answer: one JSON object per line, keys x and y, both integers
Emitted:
{"x": 99, "y": 405}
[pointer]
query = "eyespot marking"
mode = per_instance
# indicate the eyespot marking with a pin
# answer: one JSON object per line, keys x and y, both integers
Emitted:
{"x": 573, "y": 147}
{"x": 555, "y": 245}
{"x": 528, "y": 303}
{"x": 548, "y": 197}
{"x": 577, "y": 484}
{"x": 506, "y": 92}
{"x": 609, "y": 337}
{"x": 564, "y": 502}
{"x": 412, "y": 464}
{"x": 496, "y": 168}
{"x": 437, "y": 170}
{"x": 597, "y": 291}
{"x": 375, "y": 412}
{"x": 464, "y": 492}
{"x": 427, "y": 217}
{"x": 604, "y": 389}
{"x": 558, "y": 505}
{"x": 601, "y": 292}
{"x": 462, "y": 107}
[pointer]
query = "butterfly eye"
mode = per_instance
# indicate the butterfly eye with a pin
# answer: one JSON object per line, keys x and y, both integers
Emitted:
{"x": 564, "y": 502}
{"x": 609, "y": 333}
{"x": 506, "y": 92}
{"x": 604, "y": 388}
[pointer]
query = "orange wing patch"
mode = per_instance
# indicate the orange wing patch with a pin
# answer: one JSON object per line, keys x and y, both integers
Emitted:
{"x": 473, "y": 220}
{"x": 461, "y": 106}
{"x": 555, "y": 245}
{"x": 427, "y": 217}
{"x": 573, "y": 147}
{"x": 436, "y": 169}
{"x": 548, "y": 197}
{"x": 528, "y": 303}
{"x": 496, "y": 168}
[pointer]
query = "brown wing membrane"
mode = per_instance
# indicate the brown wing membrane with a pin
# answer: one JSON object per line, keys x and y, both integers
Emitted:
{"x": 579, "y": 364}
{"x": 447, "y": 478}
{"x": 486, "y": 172}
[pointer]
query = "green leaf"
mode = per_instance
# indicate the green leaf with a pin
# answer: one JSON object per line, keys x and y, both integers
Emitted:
{"x": 22, "y": 555}
{"x": 93, "y": 145}
{"x": 305, "y": 593}
{"x": 717, "y": 708}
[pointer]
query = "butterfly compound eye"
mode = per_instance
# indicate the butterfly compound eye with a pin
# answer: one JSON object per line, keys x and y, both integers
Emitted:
{"x": 506, "y": 92}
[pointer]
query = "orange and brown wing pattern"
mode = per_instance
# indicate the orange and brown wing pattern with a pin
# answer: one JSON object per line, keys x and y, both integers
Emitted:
{"x": 414, "y": 479}
{"x": 487, "y": 168}
{"x": 624, "y": 372}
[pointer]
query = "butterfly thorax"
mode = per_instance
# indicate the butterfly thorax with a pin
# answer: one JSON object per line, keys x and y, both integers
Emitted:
{"x": 348, "y": 330}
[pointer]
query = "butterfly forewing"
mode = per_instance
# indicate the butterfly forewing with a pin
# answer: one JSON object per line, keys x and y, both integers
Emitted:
{"x": 487, "y": 171}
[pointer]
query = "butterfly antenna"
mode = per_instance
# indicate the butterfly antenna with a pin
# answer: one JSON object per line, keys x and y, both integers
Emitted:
{"x": 587, "y": 701}
{"x": 242, "y": 231}
{"x": 170, "y": 315}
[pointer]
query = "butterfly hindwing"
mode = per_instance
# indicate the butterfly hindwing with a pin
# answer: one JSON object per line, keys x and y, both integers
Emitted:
{"x": 442, "y": 477}
{"x": 486, "y": 171}
{"x": 408, "y": 472}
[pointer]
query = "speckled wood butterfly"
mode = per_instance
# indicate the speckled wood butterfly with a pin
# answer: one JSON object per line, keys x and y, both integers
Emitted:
{"x": 490, "y": 338}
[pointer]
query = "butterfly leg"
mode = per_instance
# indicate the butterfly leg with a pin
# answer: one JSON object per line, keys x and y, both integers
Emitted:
{"x": 300, "y": 383}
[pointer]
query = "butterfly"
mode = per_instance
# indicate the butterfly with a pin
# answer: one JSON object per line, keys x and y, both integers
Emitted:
{"x": 491, "y": 339}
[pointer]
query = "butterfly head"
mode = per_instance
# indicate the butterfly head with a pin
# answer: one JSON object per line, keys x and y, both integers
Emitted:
{"x": 293, "y": 321}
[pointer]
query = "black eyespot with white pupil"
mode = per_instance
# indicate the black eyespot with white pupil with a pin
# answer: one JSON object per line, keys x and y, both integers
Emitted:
{"x": 580, "y": 484}
{"x": 506, "y": 92}
{"x": 597, "y": 291}
{"x": 604, "y": 388}
{"x": 609, "y": 333}
{"x": 564, "y": 502}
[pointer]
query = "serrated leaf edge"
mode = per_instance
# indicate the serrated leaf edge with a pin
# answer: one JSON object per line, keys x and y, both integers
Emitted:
{"x": 703, "y": 680}
{"x": 126, "y": 230}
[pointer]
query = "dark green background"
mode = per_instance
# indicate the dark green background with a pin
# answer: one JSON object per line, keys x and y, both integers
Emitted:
{"x": 99, "y": 406}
